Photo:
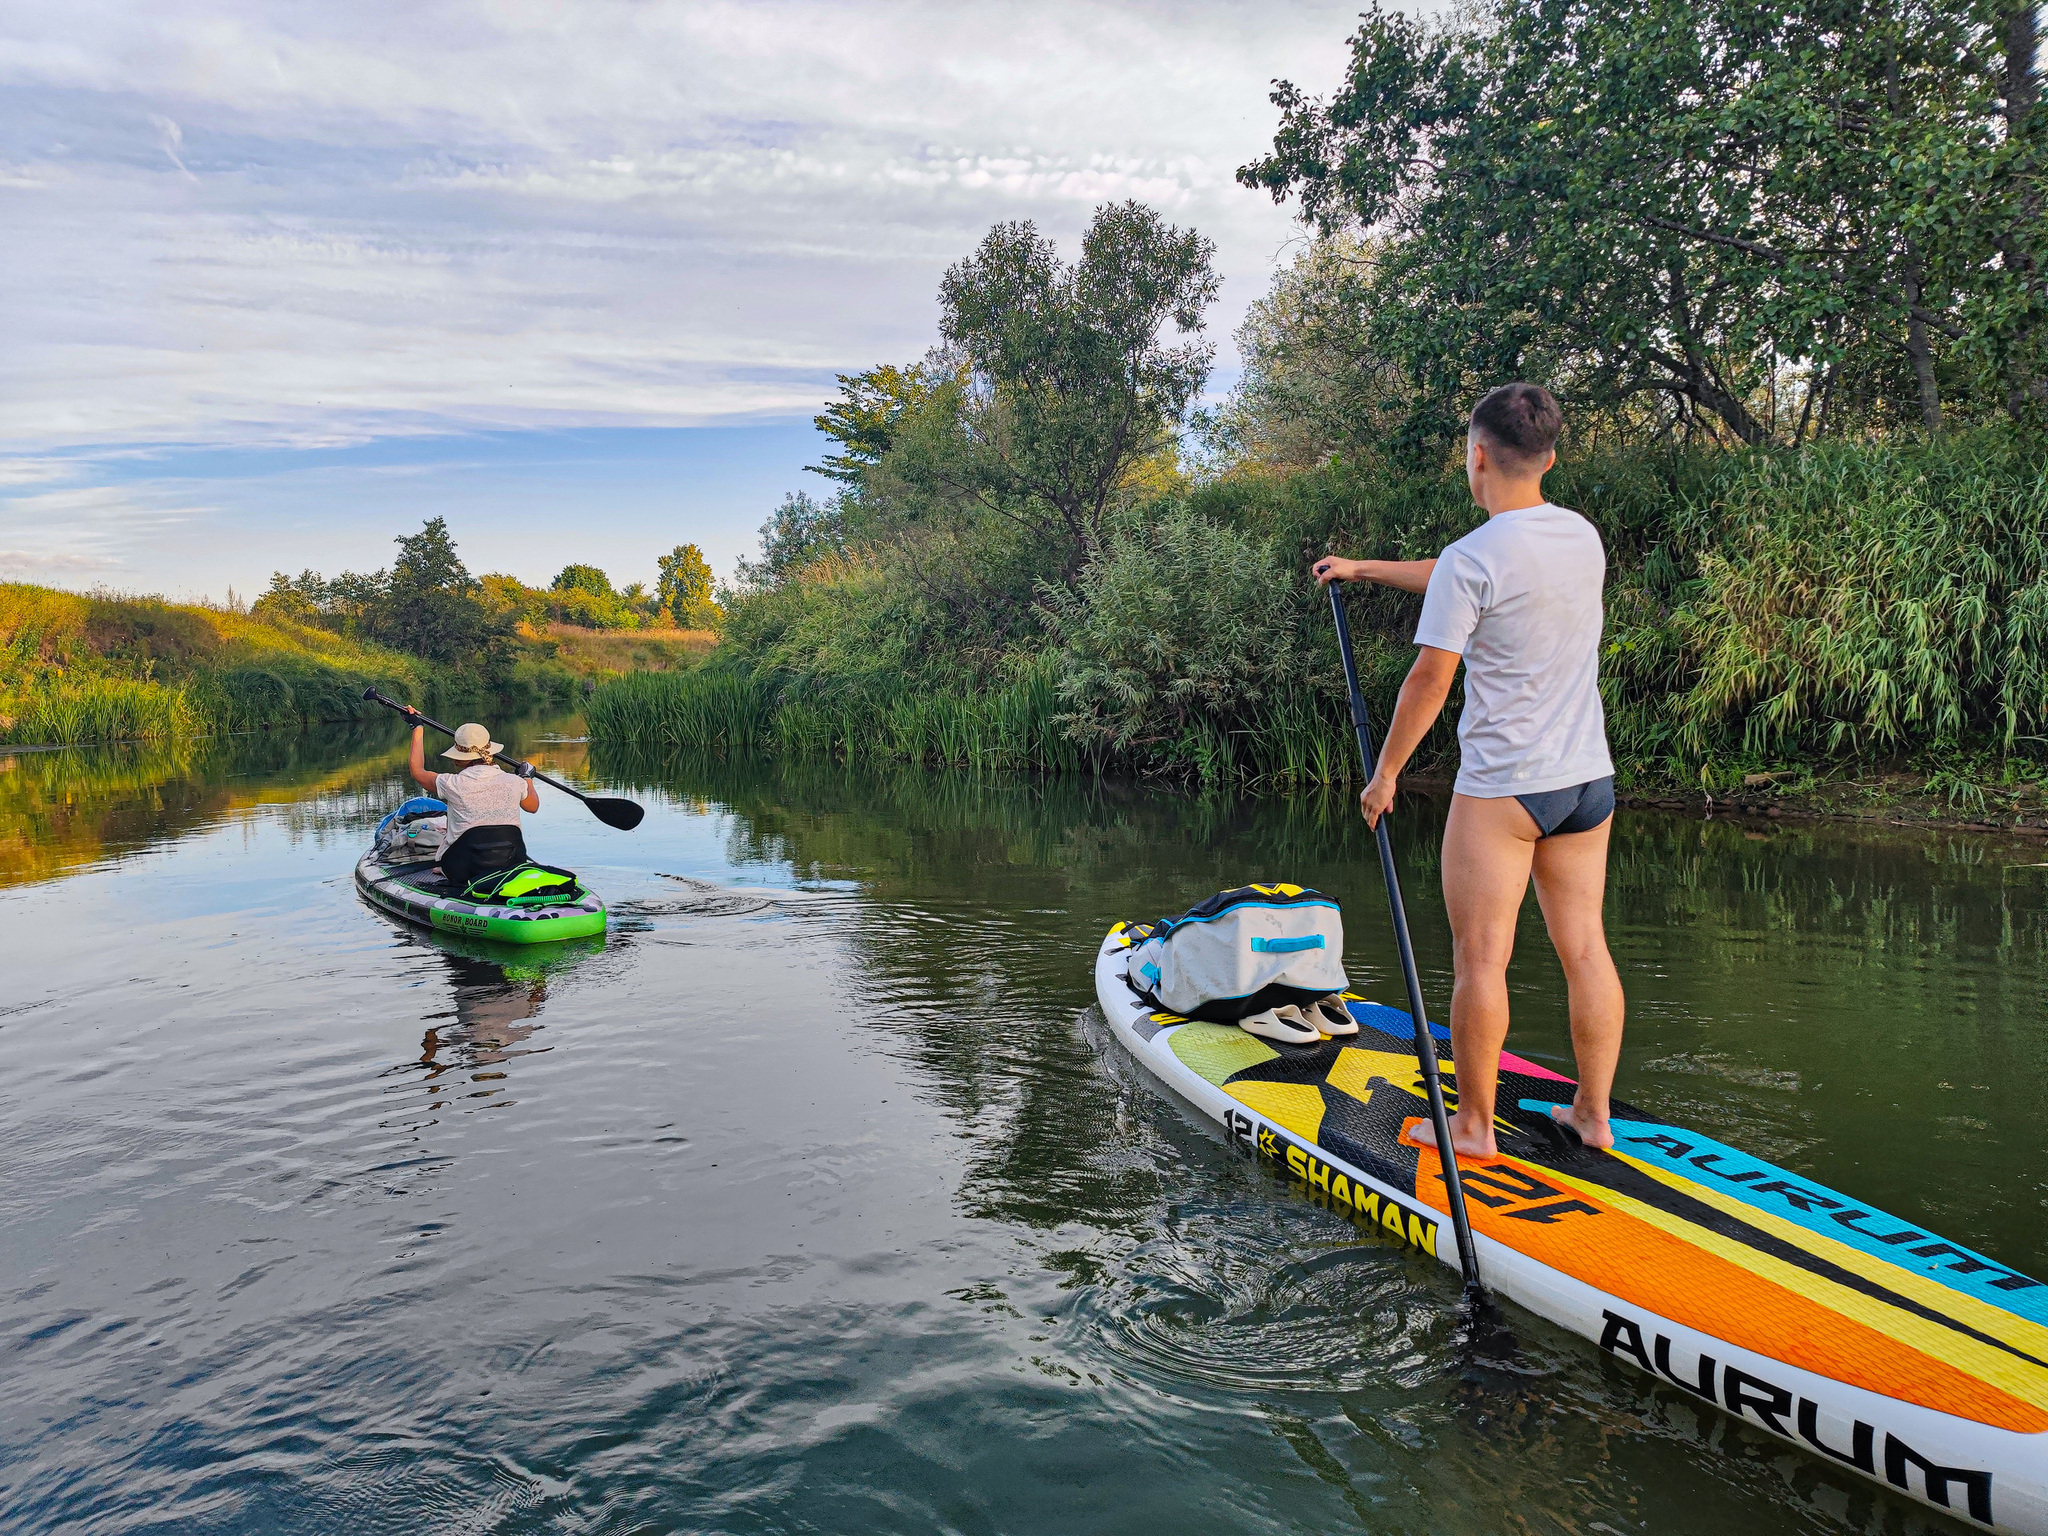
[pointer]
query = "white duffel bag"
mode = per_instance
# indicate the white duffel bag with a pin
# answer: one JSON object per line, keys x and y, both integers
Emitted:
{"x": 414, "y": 833}
{"x": 1268, "y": 957}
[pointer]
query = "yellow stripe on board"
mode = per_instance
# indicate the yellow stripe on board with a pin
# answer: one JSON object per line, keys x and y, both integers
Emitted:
{"x": 1990, "y": 1365}
{"x": 1356, "y": 1068}
{"x": 1296, "y": 1106}
{"x": 2019, "y": 1332}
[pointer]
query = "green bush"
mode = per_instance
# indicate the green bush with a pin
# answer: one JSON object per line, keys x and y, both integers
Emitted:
{"x": 1868, "y": 598}
{"x": 1183, "y": 635}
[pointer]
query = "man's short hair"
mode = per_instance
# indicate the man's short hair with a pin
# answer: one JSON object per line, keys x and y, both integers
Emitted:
{"x": 1520, "y": 422}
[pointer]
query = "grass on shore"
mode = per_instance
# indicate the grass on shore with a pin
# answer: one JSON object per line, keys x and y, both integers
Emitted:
{"x": 608, "y": 653}
{"x": 1017, "y": 725}
{"x": 76, "y": 667}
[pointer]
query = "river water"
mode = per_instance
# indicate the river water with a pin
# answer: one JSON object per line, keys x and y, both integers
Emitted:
{"x": 813, "y": 1199}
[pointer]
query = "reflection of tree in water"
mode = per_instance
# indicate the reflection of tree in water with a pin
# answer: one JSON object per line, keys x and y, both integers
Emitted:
{"x": 982, "y": 898}
{"x": 69, "y": 809}
{"x": 982, "y": 901}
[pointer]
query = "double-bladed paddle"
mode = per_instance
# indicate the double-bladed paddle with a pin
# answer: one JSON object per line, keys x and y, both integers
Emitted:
{"x": 1425, "y": 1043}
{"x": 623, "y": 814}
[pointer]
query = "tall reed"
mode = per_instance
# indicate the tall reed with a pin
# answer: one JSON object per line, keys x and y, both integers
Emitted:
{"x": 718, "y": 710}
{"x": 1866, "y": 597}
{"x": 100, "y": 709}
{"x": 703, "y": 709}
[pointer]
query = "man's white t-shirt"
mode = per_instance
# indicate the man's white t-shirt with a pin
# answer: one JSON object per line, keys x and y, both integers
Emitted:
{"x": 480, "y": 796}
{"x": 1519, "y": 598}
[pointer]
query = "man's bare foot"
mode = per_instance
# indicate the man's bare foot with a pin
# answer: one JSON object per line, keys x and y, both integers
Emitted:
{"x": 1597, "y": 1134}
{"x": 1469, "y": 1143}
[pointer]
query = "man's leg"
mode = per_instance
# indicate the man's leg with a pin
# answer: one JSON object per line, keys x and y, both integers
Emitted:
{"x": 1488, "y": 846}
{"x": 1571, "y": 883}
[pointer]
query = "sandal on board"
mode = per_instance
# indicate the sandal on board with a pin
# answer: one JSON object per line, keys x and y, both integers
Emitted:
{"x": 1283, "y": 1024}
{"x": 1330, "y": 1015}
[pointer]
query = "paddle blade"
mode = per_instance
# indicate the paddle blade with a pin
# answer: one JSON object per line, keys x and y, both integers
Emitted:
{"x": 623, "y": 814}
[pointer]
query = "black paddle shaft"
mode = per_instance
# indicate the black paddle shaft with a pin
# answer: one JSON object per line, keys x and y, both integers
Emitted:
{"x": 1425, "y": 1043}
{"x": 623, "y": 814}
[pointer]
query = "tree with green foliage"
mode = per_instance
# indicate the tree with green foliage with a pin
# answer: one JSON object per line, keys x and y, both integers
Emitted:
{"x": 583, "y": 595}
{"x": 349, "y": 598}
{"x": 638, "y": 600}
{"x": 684, "y": 588}
{"x": 1693, "y": 201}
{"x": 430, "y": 605}
{"x": 1312, "y": 381}
{"x": 987, "y": 468}
{"x": 292, "y": 599}
{"x": 1068, "y": 380}
{"x": 512, "y": 598}
{"x": 799, "y": 531}
{"x": 865, "y": 418}
{"x": 582, "y": 578}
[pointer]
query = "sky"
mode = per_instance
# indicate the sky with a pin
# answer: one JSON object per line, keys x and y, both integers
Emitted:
{"x": 283, "y": 280}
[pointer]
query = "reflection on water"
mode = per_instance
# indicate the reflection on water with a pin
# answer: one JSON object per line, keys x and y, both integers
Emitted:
{"x": 75, "y": 807}
{"x": 493, "y": 1009}
{"x": 813, "y": 1196}
{"x": 1784, "y": 982}
{"x": 71, "y": 808}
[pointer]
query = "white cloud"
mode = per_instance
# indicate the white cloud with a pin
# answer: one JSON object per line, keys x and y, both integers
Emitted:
{"x": 247, "y": 223}
{"x": 37, "y": 471}
{"x": 173, "y": 139}
{"x": 84, "y": 531}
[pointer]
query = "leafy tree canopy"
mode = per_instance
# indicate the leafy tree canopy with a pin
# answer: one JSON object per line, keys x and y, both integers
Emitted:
{"x": 1677, "y": 200}
{"x": 685, "y": 577}
{"x": 800, "y": 531}
{"x": 868, "y": 413}
{"x": 684, "y": 589}
{"x": 427, "y": 561}
{"x": 1069, "y": 378}
{"x": 431, "y": 605}
{"x": 582, "y": 578}
{"x": 1313, "y": 381}
{"x": 297, "y": 599}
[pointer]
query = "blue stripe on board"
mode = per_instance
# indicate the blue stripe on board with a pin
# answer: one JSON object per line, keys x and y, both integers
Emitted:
{"x": 1817, "y": 1208}
{"x": 1392, "y": 1021}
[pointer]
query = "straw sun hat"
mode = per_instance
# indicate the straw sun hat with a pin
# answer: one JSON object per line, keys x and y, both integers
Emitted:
{"x": 473, "y": 743}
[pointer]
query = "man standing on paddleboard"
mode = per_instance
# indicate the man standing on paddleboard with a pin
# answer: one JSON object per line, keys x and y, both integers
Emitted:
{"x": 1518, "y": 599}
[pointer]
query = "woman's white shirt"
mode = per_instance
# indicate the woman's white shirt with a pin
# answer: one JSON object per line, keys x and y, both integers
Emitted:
{"x": 480, "y": 796}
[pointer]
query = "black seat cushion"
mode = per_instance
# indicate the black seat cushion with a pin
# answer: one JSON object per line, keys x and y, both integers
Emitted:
{"x": 481, "y": 851}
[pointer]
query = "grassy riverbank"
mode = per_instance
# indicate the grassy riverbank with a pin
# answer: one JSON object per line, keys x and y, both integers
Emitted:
{"x": 1779, "y": 621}
{"x": 80, "y": 667}
{"x": 601, "y": 654}
{"x": 77, "y": 667}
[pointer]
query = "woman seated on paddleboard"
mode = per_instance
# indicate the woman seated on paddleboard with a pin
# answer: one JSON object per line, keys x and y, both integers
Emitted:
{"x": 480, "y": 795}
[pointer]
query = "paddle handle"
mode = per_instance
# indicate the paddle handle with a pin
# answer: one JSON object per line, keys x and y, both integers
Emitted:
{"x": 373, "y": 696}
{"x": 1425, "y": 1042}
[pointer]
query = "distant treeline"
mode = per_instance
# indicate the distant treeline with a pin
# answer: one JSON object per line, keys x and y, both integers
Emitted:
{"x": 1785, "y": 271}
{"x": 427, "y": 603}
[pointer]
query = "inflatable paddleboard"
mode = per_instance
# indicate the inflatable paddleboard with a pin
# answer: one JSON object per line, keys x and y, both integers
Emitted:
{"x": 414, "y": 892}
{"x": 1856, "y": 1336}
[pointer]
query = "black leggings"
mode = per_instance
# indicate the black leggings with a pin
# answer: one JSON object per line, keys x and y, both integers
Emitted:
{"x": 481, "y": 851}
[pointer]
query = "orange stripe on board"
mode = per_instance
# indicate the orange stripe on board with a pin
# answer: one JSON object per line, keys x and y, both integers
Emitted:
{"x": 1631, "y": 1260}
